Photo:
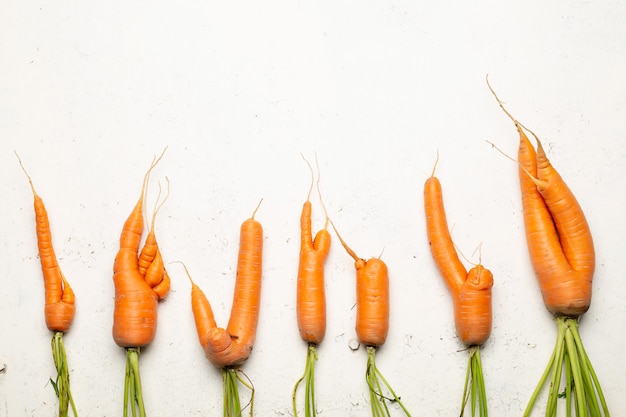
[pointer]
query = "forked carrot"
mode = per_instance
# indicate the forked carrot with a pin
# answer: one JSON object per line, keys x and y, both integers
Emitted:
{"x": 227, "y": 349}
{"x": 140, "y": 281}
{"x": 60, "y": 305}
{"x": 311, "y": 297}
{"x": 372, "y": 324}
{"x": 562, "y": 254}
{"x": 471, "y": 294}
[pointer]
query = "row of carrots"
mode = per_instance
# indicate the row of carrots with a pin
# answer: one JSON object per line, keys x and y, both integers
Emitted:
{"x": 559, "y": 243}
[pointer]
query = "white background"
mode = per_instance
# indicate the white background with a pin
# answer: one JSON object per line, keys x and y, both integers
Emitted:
{"x": 91, "y": 91}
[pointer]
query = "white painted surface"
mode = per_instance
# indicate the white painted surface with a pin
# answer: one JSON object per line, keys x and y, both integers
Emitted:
{"x": 89, "y": 92}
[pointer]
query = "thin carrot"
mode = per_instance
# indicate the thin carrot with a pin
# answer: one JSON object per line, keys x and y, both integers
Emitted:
{"x": 60, "y": 308}
{"x": 227, "y": 349}
{"x": 471, "y": 293}
{"x": 372, "y": 324}
{"x": 140, "y": 281}
{"x": 311, "y": 296}
{"x": 562, "y": 253}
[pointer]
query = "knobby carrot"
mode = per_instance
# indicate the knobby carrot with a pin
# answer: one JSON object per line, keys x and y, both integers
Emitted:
{"x": 372, "y": 324}
{"x": 59, "y": 307}
{"x": 227, "y": 349}
{"x": 471, "y": 294}
{"x": 140, "y": 281}
{"x": 311, "y": 297}
{"x": 562, "y": 254}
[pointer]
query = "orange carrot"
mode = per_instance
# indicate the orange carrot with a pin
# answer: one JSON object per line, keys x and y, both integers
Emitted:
{"x": 60, "y": 308}
{"x": 471, "y": 292}
{"x": 372, "y": 323}
{"x": 310, "y": 296}
{"x": 232, "y": 346}
{"x": 227, "y": 349}
{"x": 140, "y": 281}
{"x": 562, "y": 254}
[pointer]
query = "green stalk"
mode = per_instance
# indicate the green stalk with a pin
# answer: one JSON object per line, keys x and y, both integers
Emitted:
{"x": 309, "y": 385}
{"x": 474, "y": 390}
{"x": 133, "y": 395}
{"x": 62, "y": 384}
{"x": 582, "y": 387}
{"x": 376, "y": 381}
{"x": 232, "y": 403}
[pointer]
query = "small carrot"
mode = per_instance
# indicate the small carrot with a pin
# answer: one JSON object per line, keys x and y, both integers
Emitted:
{"x": 471, "y": 293}
{"x": 311, "y": 297}
{"x": 562, "y": 253}
{"x": 227, "y": 349}
{"x": 60, "y": 308}
{"x": 372, "y": 324}
{"x": 140, "y": 281}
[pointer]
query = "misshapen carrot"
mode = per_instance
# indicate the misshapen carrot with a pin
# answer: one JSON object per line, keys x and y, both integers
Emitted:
{"x": 232, "y": 346}
{"x": 311, "y": 295}
{"x": 559, "y": 240}
{"x": 372, "y": 324}
{"x": 136, "y": 276}
{"x": 562, "y": 254}
{"x": 59, "y": 297}
{"x": 471, "y": 291}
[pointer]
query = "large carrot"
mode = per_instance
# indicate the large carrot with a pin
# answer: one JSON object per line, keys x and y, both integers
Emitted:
{"x": 311, "y": 297}
{"x": 140, "y": 281}
{"x": 227, "y": 349}
{"x": 59, "y": 307}
{"x": 471, "y": 293}
{"x": 562, "y": 254}
{"x": 372, "y": 324}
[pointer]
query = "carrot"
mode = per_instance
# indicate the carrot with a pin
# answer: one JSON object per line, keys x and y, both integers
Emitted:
{"x": 562, "y": 254}
{"x": 227, "y": 349}
{"x": 311, "y": 297}
{"x": 60, "y": 308}
{"x": 471, "y": 293}
{"x": 140, "y": 281}
{"x": 372, "y": 324}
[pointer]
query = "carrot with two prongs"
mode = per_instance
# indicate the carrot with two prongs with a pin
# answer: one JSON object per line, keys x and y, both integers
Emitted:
{"x": 60, "y": 305}
{"x": 141, "y": 281}
{"x": 471, "y": 294}
{"x": 227, "y": 349}
{"x": 311, "y": 297}
{"x": 372, "y": 325}
{"x": 562, "y": 254}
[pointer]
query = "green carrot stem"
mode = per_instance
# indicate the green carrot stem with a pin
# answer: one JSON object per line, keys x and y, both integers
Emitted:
{"x": 62, "y": 384}
{"x": 133, "y": 395}
{"x": 309, "y": 384}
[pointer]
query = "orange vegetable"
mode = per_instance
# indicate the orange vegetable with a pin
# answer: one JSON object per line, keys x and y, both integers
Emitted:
{"x": 471, "y": 292}
{"x": 311, "y": 296}
{"x": 140, "y": 281}
{"x": 227, "y": 349}
{"x": 562, "y": 254}
{"x": 60, "y": 309}
{"x": 372, "y": 324}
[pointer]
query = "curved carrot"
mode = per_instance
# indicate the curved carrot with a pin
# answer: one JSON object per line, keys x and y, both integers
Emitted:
{"x": 227, "y": 349}
{"x": 60, "y": 308}
{"x": 471, "y": 292}
{"x": 231, "y": 346}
